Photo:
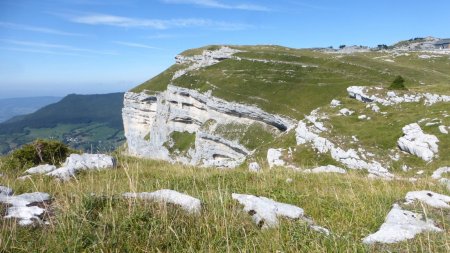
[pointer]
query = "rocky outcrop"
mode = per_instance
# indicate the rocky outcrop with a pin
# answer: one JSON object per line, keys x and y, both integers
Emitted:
{"x": 308, "y": 131}
{"x": 150, "y": 120}
{"x": 387, "y": 98}
{"x": 416, "y": 142}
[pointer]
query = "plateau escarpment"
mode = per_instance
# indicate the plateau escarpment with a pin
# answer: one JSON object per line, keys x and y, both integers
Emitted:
{"x": 218, "y": 106}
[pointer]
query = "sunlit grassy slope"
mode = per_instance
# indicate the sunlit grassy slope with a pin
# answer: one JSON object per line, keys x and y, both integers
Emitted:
{"x": 293, "y": 82}
{"x": 90, "y": 214}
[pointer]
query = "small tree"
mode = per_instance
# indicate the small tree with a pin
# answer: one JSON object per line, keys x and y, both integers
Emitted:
{"x": 398, "y": 84}
{"x": 341, "y": 46}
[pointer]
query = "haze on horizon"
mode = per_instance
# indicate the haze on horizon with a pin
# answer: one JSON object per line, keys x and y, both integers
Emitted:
{"x": 53, "y": 48}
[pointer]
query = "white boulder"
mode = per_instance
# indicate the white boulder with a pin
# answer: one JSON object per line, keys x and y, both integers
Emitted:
{"x": 335, "y": 103}
{"x": 22, "y": 208}
{"x": 89, "y": 161}
{"x": 401, "y": 225}
{"x": 254, "y": 167}
{"x": 189, "y": 204}
{"x": 428, "y": 197}
{"x": 416, "y": 142}
{"x": 6, "y": 190}
{"x": 274, "y": 157}
{"x": 41, "y": 169}
{"x": 345, "y": 112}
{"x": 265, "y": 211}
{"x": 443, "y": 129}
{"x": 437, "y": 174}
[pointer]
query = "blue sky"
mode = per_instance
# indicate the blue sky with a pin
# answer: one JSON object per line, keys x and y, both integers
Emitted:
{"x": 57, "y": 47}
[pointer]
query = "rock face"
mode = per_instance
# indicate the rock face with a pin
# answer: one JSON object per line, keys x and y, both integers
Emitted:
{"x": 151, "y": 120}
{"x": 189, "y": 204}
{"x": 401, "y": 225}
{"x": 416, "y": 142}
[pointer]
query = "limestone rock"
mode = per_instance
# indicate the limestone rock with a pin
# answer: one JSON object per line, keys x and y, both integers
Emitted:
{"x": 335, "y": 103}
{"x": 89, "y": 161}
{"x": 254, "y": 167}
{"x": 346, "y": 112}
{"x": 189, "y": 204}
{"x": 265, "y": 211}
{"x": 23, "y": 208}
{"x": 428, "y": 197}
{"x": 41, "y": 169}
{"x": 437, "y": 174}
{"x": 416, "y": 142}
{"x": 387, "y": 98}
{"x": 443, "y": 129}
{"x": 150, "y": 120}
{"x": 350, "y": 158}
{"x": 274, "y": 157}
{"x": 401, "y": 225}
{"x": 327, "y": 169}
{"x": 6, "y": 191}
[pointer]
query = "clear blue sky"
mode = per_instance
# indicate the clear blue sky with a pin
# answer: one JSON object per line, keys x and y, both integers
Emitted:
{"x": 56, "y": 47}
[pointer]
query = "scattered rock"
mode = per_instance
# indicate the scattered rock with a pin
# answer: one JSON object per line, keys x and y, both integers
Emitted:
{"x": 289, "y": 180}
{"x": 401, "y": 225}
{"x": 430, "y": 198}
{"x": 77, "y": 162}
{"x": 443, "y": 129}
{"x": 437, "y": 174}
{"x": 274, "y": 157}
{"x": 6, "y": 191}
{"x": 416, "y": 142}
{"x": 374, "y": 94}
{"x": 335, "y": 103}
{"x": 25, "y": 207}
{"x": 189, "y": 204}
{"x": 41, "y": 169}
{"x": 362, "y": 117}
{"x": 254, "y": 167}
{"x": 346, "y": 112}
{"x": 420, "y": 172}
{"x": 327, "y": 169}
{"x": 89, "y": 161}
{"x": 265, "y": 211}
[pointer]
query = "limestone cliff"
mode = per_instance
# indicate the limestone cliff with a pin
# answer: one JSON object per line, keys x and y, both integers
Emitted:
{"x": 181, "y": 124}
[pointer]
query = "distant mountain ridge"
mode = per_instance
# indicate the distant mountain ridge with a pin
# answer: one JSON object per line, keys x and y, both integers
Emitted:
{"x": 82, "y": 121}
{"x": 11, "y": 107}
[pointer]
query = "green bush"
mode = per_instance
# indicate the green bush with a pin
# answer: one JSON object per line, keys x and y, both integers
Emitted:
{"x": 398, "y": 84}
{"x": 35, "y": 153}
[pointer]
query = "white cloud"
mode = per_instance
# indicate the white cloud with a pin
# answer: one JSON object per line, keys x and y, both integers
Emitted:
{"x": 43, "y": 46}
{"x": 159, "y": 24}
{"x": 220, "y": 5}
{"x": 132, "y": 44}
{"x": 37, "y": 29}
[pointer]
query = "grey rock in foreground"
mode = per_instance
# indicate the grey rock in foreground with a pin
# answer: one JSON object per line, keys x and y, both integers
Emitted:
{"x": 189, "y": 204}
{"x": 401, "y": 225}
{"x": 265, "y": 211}
{"x": 24, "y": 207}
{"x": 6, "y": 190}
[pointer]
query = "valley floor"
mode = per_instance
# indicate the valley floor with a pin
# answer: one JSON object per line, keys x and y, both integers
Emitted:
{"x": 89, "y": 213}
